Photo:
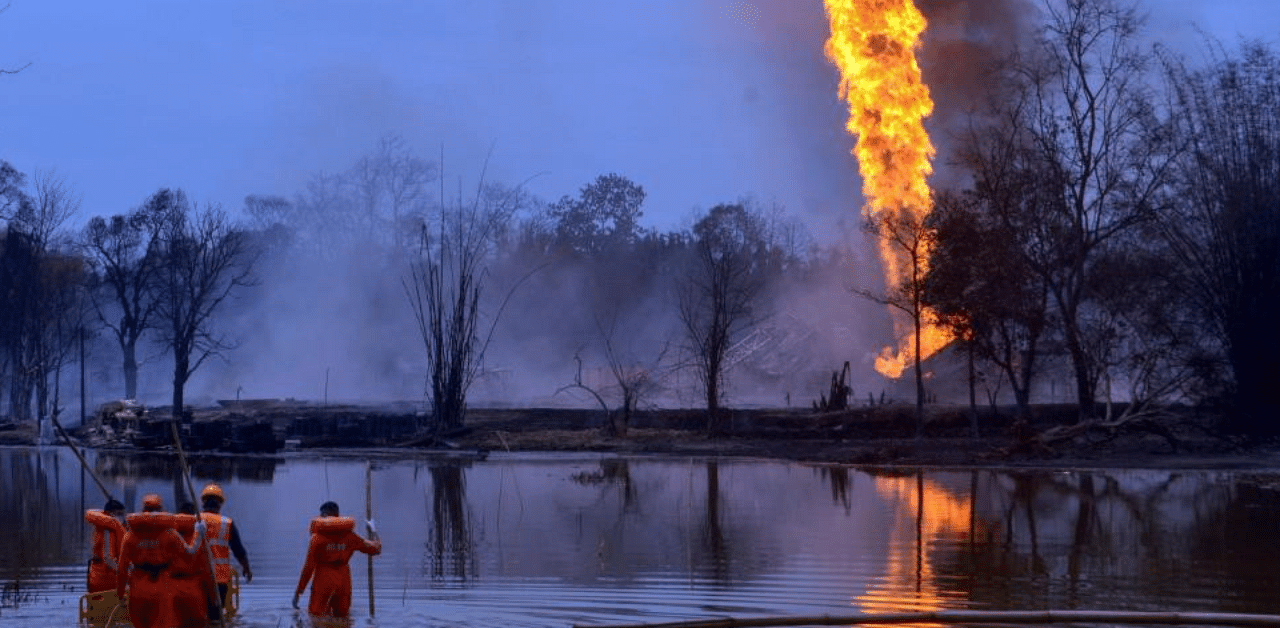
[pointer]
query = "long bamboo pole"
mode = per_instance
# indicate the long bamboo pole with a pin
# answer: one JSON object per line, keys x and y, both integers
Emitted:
{"x": 965, "y": 616}
{"x": 76, "y": 451}
{"x": 191, "y": 490}
{"x": 368, "y": 514}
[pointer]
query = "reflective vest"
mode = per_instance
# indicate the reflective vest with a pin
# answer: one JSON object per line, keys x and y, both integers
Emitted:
{"x": 107, "y": 534}
{"x": 219, "y": 537}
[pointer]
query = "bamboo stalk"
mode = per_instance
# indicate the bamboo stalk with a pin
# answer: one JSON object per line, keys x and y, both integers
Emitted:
{"x": 368, "y": 513}
{"x": 972, "y": 616}
{"x": 76, "y": 451}
{"x": 191, "y": 490}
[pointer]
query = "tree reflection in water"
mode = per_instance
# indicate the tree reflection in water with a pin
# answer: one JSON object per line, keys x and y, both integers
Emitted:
{"x": 1072, "y": 538}
{"x": 449, "y": 550}
{"x": 838, "y": 478}
{"x": 699, "y": 536}
{"x": 36, "y": 488}
{"x": 713, "y": 536}
{"x": 127, "y": 468}
{"x": 612, "y": 471}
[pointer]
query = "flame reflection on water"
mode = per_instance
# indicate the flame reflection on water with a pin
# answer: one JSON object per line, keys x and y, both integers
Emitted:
{"x": 555, "y": 540}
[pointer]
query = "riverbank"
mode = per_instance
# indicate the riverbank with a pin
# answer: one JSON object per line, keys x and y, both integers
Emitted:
{"x": 869, "y": 436}
{"x": 882, "y": 436}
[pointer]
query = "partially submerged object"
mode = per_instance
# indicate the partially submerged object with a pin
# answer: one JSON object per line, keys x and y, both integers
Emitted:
{"x": 102, "y": 609}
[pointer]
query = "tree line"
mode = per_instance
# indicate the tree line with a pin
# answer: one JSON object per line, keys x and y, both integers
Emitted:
{"x": 1119, "y": 215}
{"x": 164, "y": 268}
{"x": 176, "y": 275}
{"x": 1122, "y": 212}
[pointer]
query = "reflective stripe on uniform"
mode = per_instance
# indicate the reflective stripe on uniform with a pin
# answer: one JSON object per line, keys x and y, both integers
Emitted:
{"x": 218, "y": 533}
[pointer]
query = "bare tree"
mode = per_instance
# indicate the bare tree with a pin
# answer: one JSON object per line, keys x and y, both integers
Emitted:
{"x": 125, "y": 249}
{"x": 63, "y": 308}
{"x": 43, "y": 289}
{"x": 445, "y": 286}
{"x": 52, "y": 203}
{"x": 912, "y": 238}
{"x": 1095, "y": 124}
{"x": 61, "y": 283}
{"x": 203, "y": 259}
{"x": 390, "y": 186}
{"x": 15, "y": 70}
{"x": 718, "y": 296}
{"x": 379, "y": 201}
{"x": 11, "y": 184}
{"x": 633, "y": 379}
{"x": 1081, "y": 109}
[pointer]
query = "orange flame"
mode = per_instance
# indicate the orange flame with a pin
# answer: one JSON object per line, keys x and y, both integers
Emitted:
{"x": 873, "y": 44}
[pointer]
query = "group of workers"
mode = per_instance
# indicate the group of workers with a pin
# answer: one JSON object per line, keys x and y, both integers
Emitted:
{"x": 176, "y": 567}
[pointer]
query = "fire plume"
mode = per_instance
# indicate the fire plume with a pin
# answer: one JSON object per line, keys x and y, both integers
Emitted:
{"x": 873, "y": 43}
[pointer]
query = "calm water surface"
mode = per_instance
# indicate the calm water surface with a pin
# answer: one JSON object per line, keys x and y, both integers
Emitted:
{"x": 555, "y": 540}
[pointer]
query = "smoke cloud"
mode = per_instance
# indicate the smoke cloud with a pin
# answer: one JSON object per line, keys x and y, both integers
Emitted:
{"x": 964, "y": 41}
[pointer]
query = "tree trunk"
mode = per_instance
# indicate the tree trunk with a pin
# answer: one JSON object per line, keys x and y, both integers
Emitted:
{"x": 129, "y": 348}
{"x": 179, "y": 384}
{"x": 1084, "y": 383}
{"x": 1022, "y": 397}
{"x": 713, "y": 394}
{"x": 1079, "y": 363}
{"x": 42, "y": 394}
{"x": 919, "y": 383}
{"x": 973, "y": 393}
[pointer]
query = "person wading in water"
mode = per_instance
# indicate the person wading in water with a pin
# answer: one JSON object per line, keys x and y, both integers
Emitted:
{"x": 108, "y": 532}
{"x": 224, "y": 542}
{"x": 147, "y": 554}
{"x": 333, "y": 541}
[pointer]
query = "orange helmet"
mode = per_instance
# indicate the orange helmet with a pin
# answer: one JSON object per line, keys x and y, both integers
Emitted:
{"x": 152, "y": 502}
{"x": 213, "y": 490}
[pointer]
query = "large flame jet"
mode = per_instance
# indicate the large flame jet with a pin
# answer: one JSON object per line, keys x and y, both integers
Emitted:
{"x": 873, "y": 43}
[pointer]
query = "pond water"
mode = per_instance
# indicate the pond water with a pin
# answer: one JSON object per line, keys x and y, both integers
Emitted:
{"x": 561, "y": 540}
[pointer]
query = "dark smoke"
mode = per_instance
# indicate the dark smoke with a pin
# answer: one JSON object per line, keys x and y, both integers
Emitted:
{"x": 964, "y": 41}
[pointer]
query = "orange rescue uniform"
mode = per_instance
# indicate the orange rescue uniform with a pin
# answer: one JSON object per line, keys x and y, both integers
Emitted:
{"x": 333, "y": 541}
{"x": 191, "y": 577}
{"x": 147, "y": 557}
{"x": 108, "y": 532}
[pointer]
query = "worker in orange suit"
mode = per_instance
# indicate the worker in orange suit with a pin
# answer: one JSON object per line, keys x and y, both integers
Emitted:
{"x": 224, "y": 542}
{"x": 333, "y": 541}
{"x": 108, "y": 532}
{"x": 147, "y": 556}
{"x": 191, "y": 575}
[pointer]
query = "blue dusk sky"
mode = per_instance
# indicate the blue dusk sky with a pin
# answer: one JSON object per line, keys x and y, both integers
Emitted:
{"x": 699, "y": 101}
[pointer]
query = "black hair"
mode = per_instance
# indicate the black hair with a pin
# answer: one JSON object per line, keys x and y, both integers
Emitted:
{"x": 112, "y": 506}
{"x": 329, "y": 509}
{"x": 187, "y": 508}
{"x": 212, "y": 503}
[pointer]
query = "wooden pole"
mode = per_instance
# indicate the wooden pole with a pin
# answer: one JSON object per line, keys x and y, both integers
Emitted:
{"x": 76, "y": 451}
{"x": 83, "y": 397}
{"x": 368, "y": 514}
{"x": 965, "y": 617}
{"x": 191, "y": 490}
